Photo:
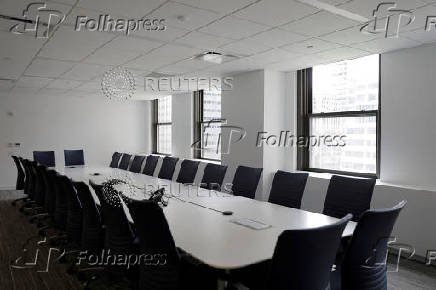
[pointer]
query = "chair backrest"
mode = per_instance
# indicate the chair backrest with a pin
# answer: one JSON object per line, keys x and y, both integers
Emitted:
{"x": 91, "y": 239}
{"x": 188, "y": 170}
{"x": 245, "y": 181}
{"x": 364, "y": 264}
{"x": 115, "y": 159}
{"x": 213, "y": 176}
{"x": 137, "y": 163}
{"x": 20, "y": 174}
{"x": 303, "y": 259}
{"x": 39, "y": 184}
{"x": 155, "y": 237}
{"x": 75, "y": 213}
{"x": 61, "y": 206}
{"x": 348, "y": 195}
{"x": 125, "y": 160}
{"x": 74, "y": 157}
{"x": 53, "y": 188}
{"x": 150, "y": 165}
{"x": 27, "y": 178}
{"x": 287, "y": 188}
{"x": 46, "y": 158}
{"x": 119, "y": 234}
{"x": 168, "y": 167}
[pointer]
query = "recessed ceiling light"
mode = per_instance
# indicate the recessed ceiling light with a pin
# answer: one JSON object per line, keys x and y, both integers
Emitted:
{"x": 214, "y": 57}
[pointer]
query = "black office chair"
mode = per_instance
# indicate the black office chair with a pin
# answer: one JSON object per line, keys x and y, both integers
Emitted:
{"x": 150, "y": 165}
{"x": 74, "y": 157}
{"x": 115, "y": 159}
{"x": 137, "y": 163}
{"x": 245, "y": 181}
{"x": 188, "y": 170}
{"x": 287, "y": 188}
{"x": 125, "y": 160}
{"x": 364, "y": 264}
{"x": 168, "y": 167}
{"x": 39, "y": 184}
{"x": 92, "y": 231}
{"x": 155, "y": 237}
{"x": 302, "y": 260}
{"x": 20, "y": 174}
{"x": 61, "y": 204}
{"x": 51, "y": 192}
{"x": 46, "y": 158}
{"x": 75, "y": 213}
{"x": 348, "y": 195}
{"x": 213, "y": 176}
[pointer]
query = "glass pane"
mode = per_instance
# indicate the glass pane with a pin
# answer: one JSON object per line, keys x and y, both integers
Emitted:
{"x": 211, "y": 105}
{"x": 211, "y": 140}
{"x": 350, "y": 85}
{"x": 164, "y": 139}
{"x": 355, "y": 152}
{"x": 164, "y": 110}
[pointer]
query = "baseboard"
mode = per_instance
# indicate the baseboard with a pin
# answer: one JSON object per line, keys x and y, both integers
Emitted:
{"x": 7, "y": 187}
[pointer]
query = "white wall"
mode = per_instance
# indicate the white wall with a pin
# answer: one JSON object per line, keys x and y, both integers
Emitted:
{"x": 278, "y": 117}
{"x": 408, "y": 100}
{"x": 182, "y": 127}
{"x": 98, "y": 126}
{"x": 243, "y": 106}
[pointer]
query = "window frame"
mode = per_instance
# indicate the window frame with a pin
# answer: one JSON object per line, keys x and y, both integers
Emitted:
{"x": 304, "y": 115}
{"x": 198, "y": 124}
{"x": 156, "y": 125}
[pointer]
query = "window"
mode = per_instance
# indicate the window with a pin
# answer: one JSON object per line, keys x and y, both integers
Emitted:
{"x": 340, "y": 101}
{"x": 162, "y": 109}
{"x": 207, "y": 124}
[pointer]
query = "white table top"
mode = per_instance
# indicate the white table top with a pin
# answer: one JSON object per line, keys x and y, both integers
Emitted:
{"x": 199, "y": 227}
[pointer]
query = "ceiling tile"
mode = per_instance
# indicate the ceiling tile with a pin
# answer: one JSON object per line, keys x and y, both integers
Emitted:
{"x": 134, "y": 9}
{"x": 365, "y": 8}
{"x": 22, "y": 91}
{"x": 276, "y": 12}
{"x": 319, "y": 24}
{"x": 349, "y": 36}
{"x": 172, "y": 50}
{"x": 19, "y": 46}
{"x": 222, "y": 6}
{"x": 85, "y": 72}
{"x": 245, "y": 47}
{"x": 234, "y": 28}
{"x": 132, "y": 43}
{"x": 342, "y": 53}
{"x": 17, "y": 7}
{"x": 203, "y": 40}
{"x": 194, "y": 17}
{"x": 71, "y": 45}
{"x": 169, "y": 34}
{"x": 48, "y": 68}
{"x": 420, "y": 20}
{"x": 63, "y": 84}
{"x": 12, "y": 68}
{"x": 186, "y": 66}
{"x": 273, "y": 55}
{"x": 277, "y": 37}
{"x": 108, "y": 56}
{"x": 310, "y": 46}
{"x": 33, "y": 82}
{"x": 151, "y": 62}
{"x": 387, "y": 44}
{"x": 6, "y": 85}
{"x": 421, "y": 36}
{"x": 94, "y": 86}
{"x": 51, "y": 92}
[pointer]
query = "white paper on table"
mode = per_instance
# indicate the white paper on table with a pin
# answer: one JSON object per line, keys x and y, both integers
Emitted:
{"x": 252, "y": 224}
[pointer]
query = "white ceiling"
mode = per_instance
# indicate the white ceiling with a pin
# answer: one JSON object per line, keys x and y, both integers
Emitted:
{"x": 280, "y": 35}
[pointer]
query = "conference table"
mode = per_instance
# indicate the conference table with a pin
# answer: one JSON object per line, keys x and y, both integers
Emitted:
{"x": 198, "y": 225}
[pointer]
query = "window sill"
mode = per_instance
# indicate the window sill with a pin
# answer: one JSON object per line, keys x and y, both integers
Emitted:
{"x": 378, "y": 181}
{"x": 207, "y": 160}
